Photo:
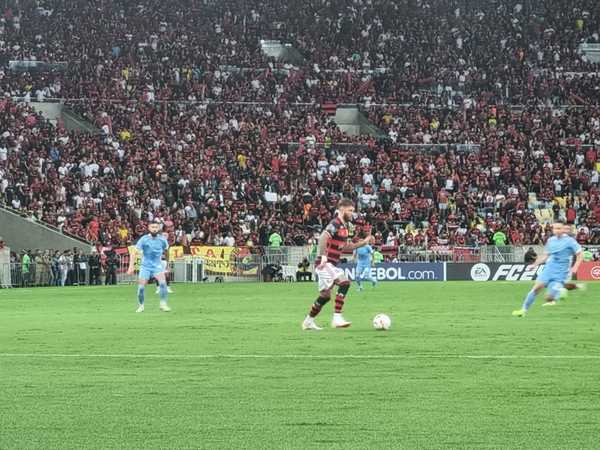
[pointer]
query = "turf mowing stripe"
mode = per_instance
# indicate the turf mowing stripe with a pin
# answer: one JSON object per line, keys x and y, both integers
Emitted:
{"x": 284, "y": 356}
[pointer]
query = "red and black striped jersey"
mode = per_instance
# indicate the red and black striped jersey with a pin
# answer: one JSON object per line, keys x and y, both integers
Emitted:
{"x": 339, "y": 237}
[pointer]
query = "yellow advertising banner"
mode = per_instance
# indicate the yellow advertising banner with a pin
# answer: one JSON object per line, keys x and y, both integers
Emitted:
{"x": 225, "y": 260}
{"x": 175, "y": 252}
{"x": 134, "y": 253}
{"x": 598, "y": 167}
{"x": 216, "y": 259}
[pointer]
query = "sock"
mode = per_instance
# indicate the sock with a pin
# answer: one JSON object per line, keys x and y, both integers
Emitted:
{"x": 141, "y": 294}
{"x": 341, "y": 296}
{"x": 317, "y": 306}
{"x": 529, "y": 300}
{"x": 162, "y": 291}
{"x": 554, "y": 291}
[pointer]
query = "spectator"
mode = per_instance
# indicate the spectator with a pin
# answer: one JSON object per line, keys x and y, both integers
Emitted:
{"x": 47, "y": 267}
{"x": 94, "y": 268}
{"x": 5, "y": 275}
{"x": 275, "y": 239}
{"x": 377, "y": 256}
{"x": 25, "y": 268}
{"x": 76, "y": 272}
{"x": 530, "y": 256}
{"x": 37, "y": 268}
{"x": 65, "y": 264}
{"x": 56, "y": 270}
{"x": 499, "y": 238}
{"x": 229, "y": 241}
{"x": 112, "y": 263}
{"x": 42, "y": 268}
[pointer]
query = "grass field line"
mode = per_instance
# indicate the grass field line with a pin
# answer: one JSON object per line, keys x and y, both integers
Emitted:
{"x": 285, "y": 356}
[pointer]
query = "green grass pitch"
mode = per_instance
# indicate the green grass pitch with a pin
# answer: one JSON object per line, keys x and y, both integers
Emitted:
{"x": 230, "y": 368}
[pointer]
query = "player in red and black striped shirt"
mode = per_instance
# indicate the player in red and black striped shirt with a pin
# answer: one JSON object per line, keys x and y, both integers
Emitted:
{"x": 333, "y": 241}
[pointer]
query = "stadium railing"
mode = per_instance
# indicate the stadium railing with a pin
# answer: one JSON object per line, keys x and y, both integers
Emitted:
{"x": 265, "y": 264}
{"x": 502, "y": 254}
{"x": 12, "y": 275}
{"x": 427, "y": 148}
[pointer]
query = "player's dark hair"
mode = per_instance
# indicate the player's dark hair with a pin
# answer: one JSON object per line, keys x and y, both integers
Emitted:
{"x": 345, "y": 203}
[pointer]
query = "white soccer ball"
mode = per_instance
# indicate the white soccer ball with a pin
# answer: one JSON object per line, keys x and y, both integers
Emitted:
{"x": 382, "y": 322}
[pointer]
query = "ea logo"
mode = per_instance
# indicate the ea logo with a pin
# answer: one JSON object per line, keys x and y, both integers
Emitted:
{"x": 595, "y": 272}
{"x": 480, "y": 272}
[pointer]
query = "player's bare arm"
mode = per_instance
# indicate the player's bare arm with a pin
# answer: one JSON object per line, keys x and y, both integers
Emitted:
{"x": 323, "y": 239}
{"x": 132, "y": 257}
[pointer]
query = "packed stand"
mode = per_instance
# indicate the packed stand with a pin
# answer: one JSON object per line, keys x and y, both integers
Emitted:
{"x": 376, "y": 51}
{"x": 230, "y": 175}
{"x": 233, "y": 174}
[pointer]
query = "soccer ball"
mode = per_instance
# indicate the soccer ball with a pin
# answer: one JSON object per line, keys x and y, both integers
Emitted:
{"x": 382, "y": 322}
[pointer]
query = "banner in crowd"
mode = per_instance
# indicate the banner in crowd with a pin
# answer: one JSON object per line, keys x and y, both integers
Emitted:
{"x": 176, "y": 252}
{"x": 226, "y": 260}
{"x": 589, "y": 271}
{"x": 218, "y": 260}
{"x": 401, "y": 271}
{"x": 491, "y": 272}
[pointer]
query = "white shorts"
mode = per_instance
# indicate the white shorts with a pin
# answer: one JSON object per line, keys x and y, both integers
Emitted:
{"x": 328, "y": 274}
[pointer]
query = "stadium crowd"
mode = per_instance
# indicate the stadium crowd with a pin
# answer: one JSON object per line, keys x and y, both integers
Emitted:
{"x": 231, "y": 173}
{"x": 360, "y": 51}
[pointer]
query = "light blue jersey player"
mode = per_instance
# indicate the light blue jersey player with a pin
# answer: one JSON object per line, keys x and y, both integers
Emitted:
{"x": 557, "y": 257}
{"x": 570, "y": 285}
{"x": 151, "y": 246}
{"x": 364, "y": 256}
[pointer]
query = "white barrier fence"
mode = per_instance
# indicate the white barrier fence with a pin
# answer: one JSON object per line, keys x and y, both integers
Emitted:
{"x": 266, "y": 264}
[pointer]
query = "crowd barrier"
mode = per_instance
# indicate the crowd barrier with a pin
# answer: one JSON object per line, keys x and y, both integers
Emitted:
{"x": 254, "y": 269}
{"x": 12, "y": 275}
{"x": 479, "y": 272}
{"x": 491, "y": 272}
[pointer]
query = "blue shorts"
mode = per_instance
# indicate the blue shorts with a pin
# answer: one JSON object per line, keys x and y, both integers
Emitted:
{"x": 148, "y": 272}
{"x": 549, "y": 277}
